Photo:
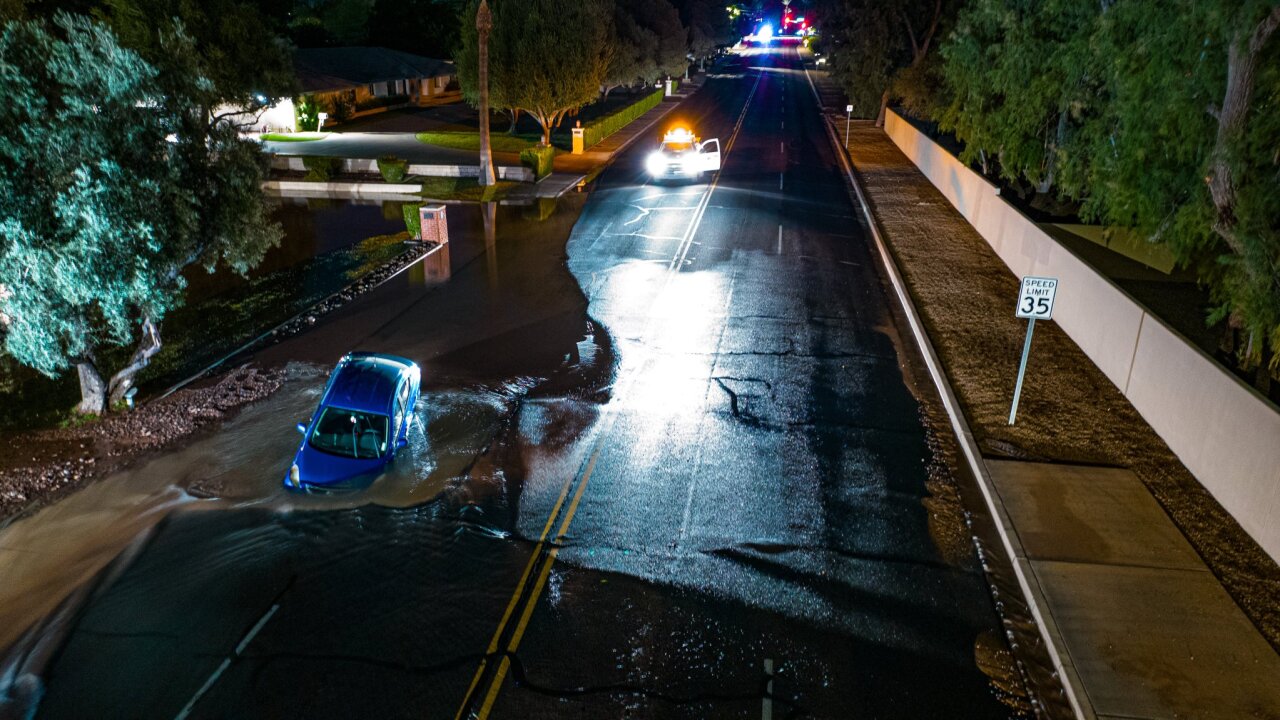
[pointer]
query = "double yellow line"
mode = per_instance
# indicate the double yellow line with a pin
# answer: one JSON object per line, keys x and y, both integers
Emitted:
{"x": 531, "y": 599}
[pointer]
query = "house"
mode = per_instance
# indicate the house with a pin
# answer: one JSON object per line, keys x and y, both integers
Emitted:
{"x": 350, "y": 82}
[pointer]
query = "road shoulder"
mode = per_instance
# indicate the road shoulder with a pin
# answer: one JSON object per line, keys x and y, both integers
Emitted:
{"x": 1136, "y": 635}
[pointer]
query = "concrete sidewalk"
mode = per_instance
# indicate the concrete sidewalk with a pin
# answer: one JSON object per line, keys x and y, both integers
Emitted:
{"x": 1141, "y": 625}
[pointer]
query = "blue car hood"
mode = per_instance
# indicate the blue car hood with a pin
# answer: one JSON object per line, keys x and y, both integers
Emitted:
{"x": 319, "y": 468}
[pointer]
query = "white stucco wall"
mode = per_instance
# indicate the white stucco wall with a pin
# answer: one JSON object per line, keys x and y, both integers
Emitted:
{"x": 1225, "y": 433}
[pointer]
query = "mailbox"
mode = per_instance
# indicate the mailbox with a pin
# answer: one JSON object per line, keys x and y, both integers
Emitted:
{"x": 434, "y": 226}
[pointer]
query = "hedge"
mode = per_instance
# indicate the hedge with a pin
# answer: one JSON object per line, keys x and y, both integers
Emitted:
{"x": 412, "y": 222}
{"x": 539, "y": 159}
{"x": 601, "y": 128}
{"x": 321, "y": 168}
{"x": 392, "y": 168}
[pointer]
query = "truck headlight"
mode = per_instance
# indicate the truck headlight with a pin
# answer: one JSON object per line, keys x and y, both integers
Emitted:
{"x": 656, "y": 163}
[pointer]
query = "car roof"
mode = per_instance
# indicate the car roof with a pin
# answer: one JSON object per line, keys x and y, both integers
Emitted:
{"x": 367, "y": 381}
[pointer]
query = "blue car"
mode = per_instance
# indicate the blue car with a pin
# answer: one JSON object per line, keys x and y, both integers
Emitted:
{"x": 363, "y": 419}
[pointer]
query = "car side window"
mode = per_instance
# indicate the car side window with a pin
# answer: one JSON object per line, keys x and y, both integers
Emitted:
{"x": 398, "y": 409}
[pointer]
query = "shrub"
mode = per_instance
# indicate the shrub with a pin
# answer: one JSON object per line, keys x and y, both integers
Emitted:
{"x": 603, "y": 127}
{"x": 342, "y": 107}
{"x": 539, "y": 158}
{"x": 320, "y": 169}
{"x": 374, "y": 103}
{"x": 306, "y": 114}
{"x": 392, "y": 168}
{"x": 412, "y": 222}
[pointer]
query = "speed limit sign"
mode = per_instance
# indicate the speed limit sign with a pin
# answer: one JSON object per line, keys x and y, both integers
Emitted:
{"x": 1035, "y": 301}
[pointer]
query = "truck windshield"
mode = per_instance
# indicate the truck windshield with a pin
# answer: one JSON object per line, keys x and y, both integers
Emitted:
{"x": 350, "y": 433}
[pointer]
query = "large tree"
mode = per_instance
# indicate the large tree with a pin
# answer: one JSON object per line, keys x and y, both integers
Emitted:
{"x": 546, "y": 57}
{"x": 634, "y": 58}
{"x": 232, "y": 45}
{"x": 1018, "y": 73}
{"x": 710, "y": 26}
{"x": 421, "y": 27}
{"x": 114, "y": 179}
{"x": 884, "y": 50}
{"x": 662, "y": 20}
{"x": 1169, "y": 128}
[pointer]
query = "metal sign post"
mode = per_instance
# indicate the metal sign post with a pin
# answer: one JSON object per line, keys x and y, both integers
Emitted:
{"x": 848, "y": 117}
{"x": 1035, "y": 302}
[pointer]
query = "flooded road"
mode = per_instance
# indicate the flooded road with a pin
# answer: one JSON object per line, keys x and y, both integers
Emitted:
{"x": 673, "y": 467}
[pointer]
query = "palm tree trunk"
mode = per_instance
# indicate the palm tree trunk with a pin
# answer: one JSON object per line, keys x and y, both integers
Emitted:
{"x": 484, "y": 23}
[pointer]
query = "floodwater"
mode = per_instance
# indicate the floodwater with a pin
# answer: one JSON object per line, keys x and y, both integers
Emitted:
{"x": 494, "y": 319}
{"x": 672, "y": 467}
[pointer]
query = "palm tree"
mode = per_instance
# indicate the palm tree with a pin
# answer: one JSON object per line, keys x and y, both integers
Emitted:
{"x": 484, "y": 23}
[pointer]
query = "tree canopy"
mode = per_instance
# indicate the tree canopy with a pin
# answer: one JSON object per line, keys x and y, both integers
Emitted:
{"x": 884, "y": 50}
{"x": 1168, "y": 128}
{"x": 546, "y": 57}
{"x": 114, "y": 178}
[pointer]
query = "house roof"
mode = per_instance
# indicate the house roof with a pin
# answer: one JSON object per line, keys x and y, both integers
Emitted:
{"x": 320, "y": 69}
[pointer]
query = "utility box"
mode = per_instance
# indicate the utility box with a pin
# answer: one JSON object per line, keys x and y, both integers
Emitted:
{"x": 434, "y": 226}
{"x": 579, "y": 141}
{"x": 668, "y": 92}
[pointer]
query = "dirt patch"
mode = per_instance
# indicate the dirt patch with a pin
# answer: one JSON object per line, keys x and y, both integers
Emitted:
{"x": 41, "y": 466}
{"x": 1070, "y": 411}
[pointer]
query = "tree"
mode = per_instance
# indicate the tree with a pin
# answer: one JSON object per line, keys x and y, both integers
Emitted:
{"x": 710, "y": 26}
{"x": 547, "y": 57}
{"x": 880, "y": 51}
{"x": 635, "y": 52}
{"x": 484, "y": 23}
{"x": 1144, "y": 127}
{"x": 233, "y": 45}
{"x": 1017, "y": 74}
{"x": 422, "y": 27}
{"x": 661, "y": 19}
{"x": 100, "y": 212}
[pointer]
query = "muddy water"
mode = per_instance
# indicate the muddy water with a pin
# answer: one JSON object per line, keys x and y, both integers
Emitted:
{"x": 496, "y": 322}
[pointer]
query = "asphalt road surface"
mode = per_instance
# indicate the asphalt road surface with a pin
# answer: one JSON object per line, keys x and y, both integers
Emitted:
{"x": 680, "y": 476}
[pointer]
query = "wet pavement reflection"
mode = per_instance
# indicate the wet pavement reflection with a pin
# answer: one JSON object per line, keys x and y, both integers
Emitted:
{"x": 670, "y": 468}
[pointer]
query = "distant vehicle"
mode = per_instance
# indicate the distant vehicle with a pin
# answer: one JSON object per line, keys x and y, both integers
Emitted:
{"x": 363, "y": 419}
{"x": 681, "y": 155}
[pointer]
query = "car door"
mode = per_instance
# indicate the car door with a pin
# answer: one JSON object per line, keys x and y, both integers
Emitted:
{"x": 709, "y": 155}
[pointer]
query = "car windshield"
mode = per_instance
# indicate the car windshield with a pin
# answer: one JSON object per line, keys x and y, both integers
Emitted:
{"x": 673, "y": 146}
{"x": 350, "y": 433}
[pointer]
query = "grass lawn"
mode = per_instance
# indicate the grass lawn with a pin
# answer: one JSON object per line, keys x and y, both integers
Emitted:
{"x": 445, "y": 188}
{"x": 294, "y": 137}
{"x": 466, "y": 140}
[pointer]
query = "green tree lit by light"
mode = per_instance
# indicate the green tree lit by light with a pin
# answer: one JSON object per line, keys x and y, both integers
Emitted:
{"x": 115, "y": 176}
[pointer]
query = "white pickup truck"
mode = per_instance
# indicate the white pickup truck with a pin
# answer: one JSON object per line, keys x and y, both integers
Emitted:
{"x": 681, "y": 155}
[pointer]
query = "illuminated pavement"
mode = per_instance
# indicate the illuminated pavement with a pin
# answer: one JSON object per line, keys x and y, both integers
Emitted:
{"x": 627, "y": 508}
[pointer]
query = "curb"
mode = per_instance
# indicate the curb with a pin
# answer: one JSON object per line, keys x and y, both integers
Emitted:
{"x": 268, "y": 333}
{"x": 1030, "y": 587}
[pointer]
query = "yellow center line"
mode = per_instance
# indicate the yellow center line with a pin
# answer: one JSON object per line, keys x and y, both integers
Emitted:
{"x": 495, "y": 685}
{"x": 515, "y": 596}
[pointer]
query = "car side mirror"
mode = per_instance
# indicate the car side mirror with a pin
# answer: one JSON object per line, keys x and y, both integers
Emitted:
{"x": 401, "y": 443}
{"x": 302, "y": 428}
